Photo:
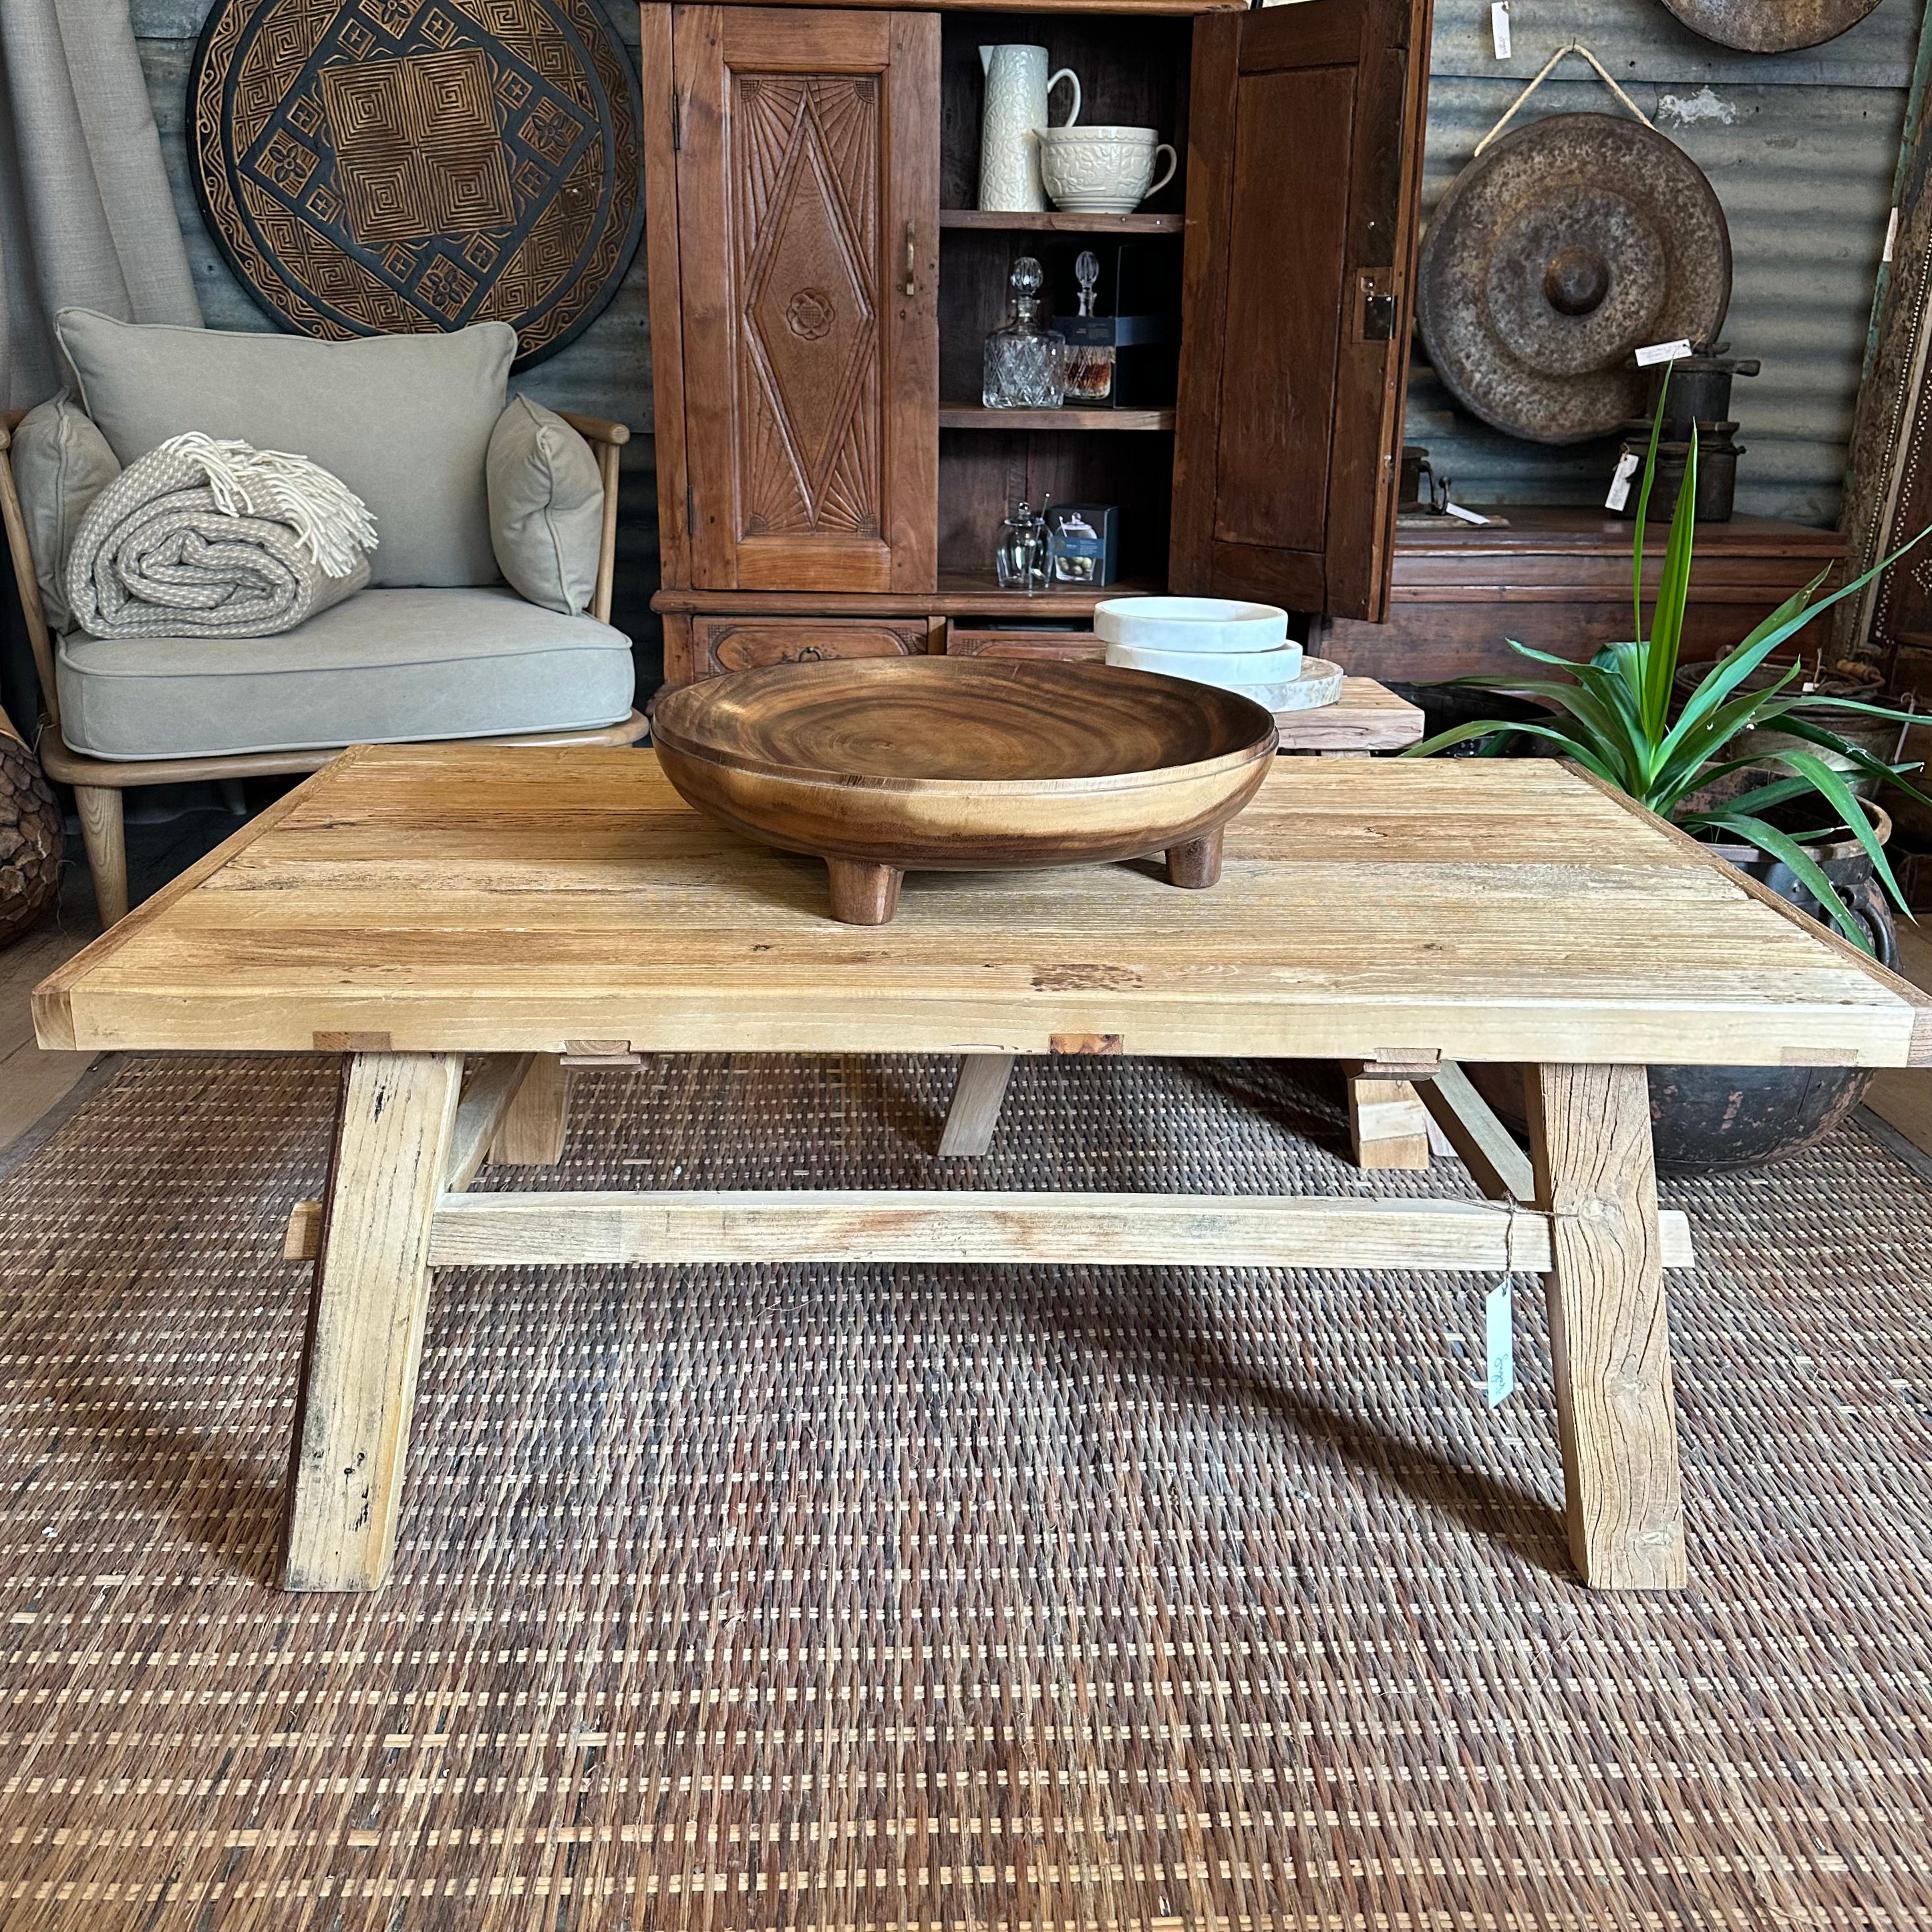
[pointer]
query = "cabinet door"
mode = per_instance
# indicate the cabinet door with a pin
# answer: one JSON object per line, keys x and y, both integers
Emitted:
{"x": 1304, "y": 171}
{"x": 808, "y": 200}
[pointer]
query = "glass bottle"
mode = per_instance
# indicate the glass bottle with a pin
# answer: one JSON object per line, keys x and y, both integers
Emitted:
{"x": 1026, "y": 361}
{"x": 1019, "y": 561}
{"x": 1090, "y": 365}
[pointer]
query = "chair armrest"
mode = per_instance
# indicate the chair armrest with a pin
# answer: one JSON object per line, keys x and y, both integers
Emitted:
{"x": 596, "y": 429}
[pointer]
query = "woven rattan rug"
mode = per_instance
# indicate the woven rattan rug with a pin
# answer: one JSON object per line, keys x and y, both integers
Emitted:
{"x": 1116, "y": 1601}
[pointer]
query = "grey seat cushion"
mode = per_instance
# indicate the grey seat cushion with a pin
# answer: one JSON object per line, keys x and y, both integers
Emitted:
{"x": 386, "y": 667}
{"x": 403, "y": 420}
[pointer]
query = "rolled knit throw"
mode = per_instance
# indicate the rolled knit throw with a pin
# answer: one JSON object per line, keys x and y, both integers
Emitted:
{"x": 199, "y": 538}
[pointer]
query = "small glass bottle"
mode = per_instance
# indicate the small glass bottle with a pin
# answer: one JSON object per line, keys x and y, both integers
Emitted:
{"x": 1090, "y": 365}
{"x": 1019, "y": 560}
{"x": 1026, "y": 361}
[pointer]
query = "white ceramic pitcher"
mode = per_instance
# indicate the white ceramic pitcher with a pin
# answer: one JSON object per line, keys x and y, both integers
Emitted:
{"x": 1017, "y": 85}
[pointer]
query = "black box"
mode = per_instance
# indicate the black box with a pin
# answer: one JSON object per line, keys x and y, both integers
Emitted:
{"x": 1088, "y": 552}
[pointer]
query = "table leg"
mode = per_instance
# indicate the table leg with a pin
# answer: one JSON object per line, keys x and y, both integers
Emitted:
{"x": 975, "y": 1111}
{"x": 531, "y": 1134}
{"x": 1609, "y": 1331}
{"x": 367, "y": 1313}
{"x": 1388, "y": 1125}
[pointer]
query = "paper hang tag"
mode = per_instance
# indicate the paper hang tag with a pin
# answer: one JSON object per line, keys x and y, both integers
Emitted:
{"x": 1499, "y": 28}
{"x": 1620, "y": 484}
{"x": 1663, "y": 352}
{"x": 1499, "y": 1341}
{"x": 1467, "y": 516}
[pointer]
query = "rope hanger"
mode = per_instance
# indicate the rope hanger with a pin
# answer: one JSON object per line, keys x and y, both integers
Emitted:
{"x": 1549, "y": 67}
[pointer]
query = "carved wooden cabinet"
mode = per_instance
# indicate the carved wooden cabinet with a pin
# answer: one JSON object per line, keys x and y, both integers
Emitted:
{"x": 822, "y": 283}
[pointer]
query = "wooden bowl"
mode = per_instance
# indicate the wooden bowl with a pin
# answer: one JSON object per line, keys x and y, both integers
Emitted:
{"x": 883, "y": 765}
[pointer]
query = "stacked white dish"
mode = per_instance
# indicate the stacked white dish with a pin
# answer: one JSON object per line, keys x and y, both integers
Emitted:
{"x": 1218, "y": 641}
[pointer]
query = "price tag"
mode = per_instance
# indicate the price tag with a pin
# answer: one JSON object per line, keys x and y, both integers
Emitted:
{"x": 1499, "y": 1341}
{"x": 1499, "y": 28}
{"x": 1890, "y": 236}
{"x": 1467, "y": 516}
{"x": 1620, "y": 484}
{"x": 1662, "y": 351}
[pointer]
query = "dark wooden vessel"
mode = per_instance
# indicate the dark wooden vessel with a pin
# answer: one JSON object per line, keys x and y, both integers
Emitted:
{"x": 880, "y": 766}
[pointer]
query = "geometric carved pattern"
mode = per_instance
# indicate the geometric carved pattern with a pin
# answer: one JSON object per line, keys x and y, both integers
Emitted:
{"x": 804, "y": 168}
{"x": 377, "y": 166}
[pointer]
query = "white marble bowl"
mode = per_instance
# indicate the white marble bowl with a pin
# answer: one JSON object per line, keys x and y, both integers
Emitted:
{"x": 1216, "y": 624}
{"x": 1233, "y": 670}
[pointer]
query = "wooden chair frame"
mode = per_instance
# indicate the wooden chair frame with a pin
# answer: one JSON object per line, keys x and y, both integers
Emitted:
{"x": 98, "y": 783}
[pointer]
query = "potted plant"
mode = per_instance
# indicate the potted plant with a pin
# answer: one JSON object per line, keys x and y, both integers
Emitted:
{"x": 1682, "y": 748}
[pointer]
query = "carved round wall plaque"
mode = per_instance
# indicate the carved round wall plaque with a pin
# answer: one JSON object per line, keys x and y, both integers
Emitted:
{"x": 1771, "y": 26}
{"x": 1554, "y": 255}
{"x": 376, "y": 167}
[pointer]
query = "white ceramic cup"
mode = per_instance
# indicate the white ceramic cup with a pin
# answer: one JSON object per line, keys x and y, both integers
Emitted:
{"x": 1100, "y": 170}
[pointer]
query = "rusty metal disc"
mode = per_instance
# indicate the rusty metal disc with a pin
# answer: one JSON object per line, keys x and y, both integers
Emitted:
{"x": 1771, "y": 26}
{"x": 1554, "y": 256}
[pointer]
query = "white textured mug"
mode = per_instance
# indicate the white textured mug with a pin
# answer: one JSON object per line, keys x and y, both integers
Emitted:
{"x": 1099, "y": 170}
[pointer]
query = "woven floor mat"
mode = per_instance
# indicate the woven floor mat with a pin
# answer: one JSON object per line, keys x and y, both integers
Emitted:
{"x": 837, "y": 1597}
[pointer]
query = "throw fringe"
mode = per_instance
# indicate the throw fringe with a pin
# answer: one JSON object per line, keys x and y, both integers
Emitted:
{"x": 330, "y": 521}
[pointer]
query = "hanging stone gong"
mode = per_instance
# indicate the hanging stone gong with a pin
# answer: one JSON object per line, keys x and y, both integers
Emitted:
{"x": 1556, "y": 253}
{"x": 376, "y": 167}
{"x": 1771, "y": 26}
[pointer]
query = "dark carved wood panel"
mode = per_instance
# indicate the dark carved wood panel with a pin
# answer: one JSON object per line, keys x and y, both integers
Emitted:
{"x": 1067, "y": 646}
{"x": 374, "y": 167}
{"x": 807, "y": 167}
{"x": 804, "y": 171}
{"x": 744, "y": 644}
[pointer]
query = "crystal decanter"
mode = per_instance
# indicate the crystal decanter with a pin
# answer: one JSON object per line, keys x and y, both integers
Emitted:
{"x": 1090, "y": 356}
{"x": 1026, "y": 361}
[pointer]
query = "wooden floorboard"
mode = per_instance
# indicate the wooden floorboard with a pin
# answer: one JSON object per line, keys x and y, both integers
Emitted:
{"x": 32, "y": 1080}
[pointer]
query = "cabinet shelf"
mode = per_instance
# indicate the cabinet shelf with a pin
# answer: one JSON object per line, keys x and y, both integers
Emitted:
{"x": 977, "y": 593}
{"x": 1059, "y": 223}
{"x": 976, "y": 415}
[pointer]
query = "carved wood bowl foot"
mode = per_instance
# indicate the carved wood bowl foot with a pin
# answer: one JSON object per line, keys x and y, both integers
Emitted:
{"x": 881, "y": 766}
{"x": 1195, "y": 863}
{"x": 862, "y": 894}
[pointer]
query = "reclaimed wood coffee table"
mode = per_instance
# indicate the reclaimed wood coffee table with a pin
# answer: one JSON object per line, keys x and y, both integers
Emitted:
{"x": 433, "y": 912}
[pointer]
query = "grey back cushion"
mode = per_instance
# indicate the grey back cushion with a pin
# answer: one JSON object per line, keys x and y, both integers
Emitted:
{"x": 546, "y": 507}
{"x": 61, "y": 462}
{"x": 403, "y": 420}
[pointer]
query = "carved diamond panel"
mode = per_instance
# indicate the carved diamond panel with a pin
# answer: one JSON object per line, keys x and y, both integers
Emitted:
{"x": 804, "y": 167}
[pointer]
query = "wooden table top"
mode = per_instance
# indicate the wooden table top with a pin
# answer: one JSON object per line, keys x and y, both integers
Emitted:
{"x": 485, "y": 898}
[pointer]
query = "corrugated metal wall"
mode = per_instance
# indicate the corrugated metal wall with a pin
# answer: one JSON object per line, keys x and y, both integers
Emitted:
{"x": 1801, "y": 148}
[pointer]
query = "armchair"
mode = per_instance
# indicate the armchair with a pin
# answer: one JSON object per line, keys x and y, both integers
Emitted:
{"x": 356, "y": 686}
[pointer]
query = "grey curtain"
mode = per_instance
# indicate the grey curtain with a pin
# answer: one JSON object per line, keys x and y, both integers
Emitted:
{"x": 85, "y": 216}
